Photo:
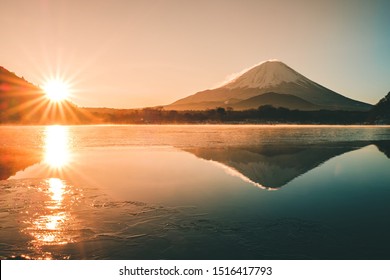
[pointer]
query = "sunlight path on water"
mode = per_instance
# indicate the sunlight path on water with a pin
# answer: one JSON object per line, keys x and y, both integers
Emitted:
{"x": 57, "y": 153}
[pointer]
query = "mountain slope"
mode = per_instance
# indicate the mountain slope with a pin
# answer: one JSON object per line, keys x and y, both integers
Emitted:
{"x": 22, "y": 102}
{"x": 276, "y": 100}
{"x": 271, "y": 76}
{"x": 16, "y": 95}
{"x": 380, "y": 113}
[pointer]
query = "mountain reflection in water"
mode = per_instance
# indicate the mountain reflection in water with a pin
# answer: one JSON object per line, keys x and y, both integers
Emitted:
{"x": 273, "y": 166}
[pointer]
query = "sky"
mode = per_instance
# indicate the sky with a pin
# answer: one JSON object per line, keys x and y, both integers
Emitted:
{"x": 139, "y": 53}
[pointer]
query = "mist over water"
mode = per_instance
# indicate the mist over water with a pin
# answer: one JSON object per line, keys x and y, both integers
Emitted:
{"x": 194, "y": 192}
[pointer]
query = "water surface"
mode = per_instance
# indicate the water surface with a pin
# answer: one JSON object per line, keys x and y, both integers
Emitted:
{"x": 194, "y": 192}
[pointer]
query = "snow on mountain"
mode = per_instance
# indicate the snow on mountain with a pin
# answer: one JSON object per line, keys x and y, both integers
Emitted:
{"x": 266, "y": 74}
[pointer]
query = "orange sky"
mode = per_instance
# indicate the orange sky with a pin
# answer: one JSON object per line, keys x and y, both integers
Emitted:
{"x": 126, "y": 53}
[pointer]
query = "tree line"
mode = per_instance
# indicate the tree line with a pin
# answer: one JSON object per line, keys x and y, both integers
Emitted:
{"x": 262, "y": 115}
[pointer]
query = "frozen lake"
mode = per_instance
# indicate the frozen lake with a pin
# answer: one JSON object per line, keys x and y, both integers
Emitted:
{"x": 194, "y": 192}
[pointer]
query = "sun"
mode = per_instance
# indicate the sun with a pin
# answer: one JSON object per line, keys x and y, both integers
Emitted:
{"x": 56, "y": 90}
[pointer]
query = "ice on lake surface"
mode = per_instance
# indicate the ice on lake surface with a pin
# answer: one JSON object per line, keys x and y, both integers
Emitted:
{"x": 194, "y": 192}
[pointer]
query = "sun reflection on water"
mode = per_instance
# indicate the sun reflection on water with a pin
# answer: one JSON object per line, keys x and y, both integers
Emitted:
{"x": 50, "y": 219}
{"x": 57, "y": 152}
{"x": 49, "y": 225}
{"x": 57, "y": 189}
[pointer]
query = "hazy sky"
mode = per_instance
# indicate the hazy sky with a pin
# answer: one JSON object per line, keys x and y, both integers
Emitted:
{"x": 125, "y": 53}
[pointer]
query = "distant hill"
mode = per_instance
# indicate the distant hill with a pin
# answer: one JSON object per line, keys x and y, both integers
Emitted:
{"x": 22, "y": 102}
{"x": 276, "y": 100}
{"x": 380, "y": 113}
{"x": 269, "y": 77}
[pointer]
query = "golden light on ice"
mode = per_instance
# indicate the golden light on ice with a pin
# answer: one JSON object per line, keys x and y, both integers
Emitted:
{"x": 56, "y": 90}
{"x": 50, "y": 227}
{"x": 50, "y": 221}
{"x": 56, "y": 188}
{"x": 57, "y": 152}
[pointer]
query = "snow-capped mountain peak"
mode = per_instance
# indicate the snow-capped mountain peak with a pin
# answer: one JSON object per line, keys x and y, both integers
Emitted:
{"x": 265, "y": 74}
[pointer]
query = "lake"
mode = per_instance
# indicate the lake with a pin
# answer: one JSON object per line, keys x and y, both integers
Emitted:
{"x": 194, "y": 192}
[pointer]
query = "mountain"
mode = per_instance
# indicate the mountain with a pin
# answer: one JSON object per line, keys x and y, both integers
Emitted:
{"x": 16, "y": 96}
{"x": 270, "y": 77}
{"x": 380, "y": 113}
{"x": 22, "y": 102}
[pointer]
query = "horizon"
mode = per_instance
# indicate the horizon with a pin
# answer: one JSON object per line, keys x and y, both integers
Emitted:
{"x": 159, "y": 51}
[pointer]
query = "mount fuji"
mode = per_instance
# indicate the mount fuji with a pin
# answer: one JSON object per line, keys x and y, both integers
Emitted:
{"x": 270, "y": 83}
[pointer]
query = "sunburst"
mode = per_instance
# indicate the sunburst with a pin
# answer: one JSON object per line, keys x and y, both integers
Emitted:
{"x": 56, "y": 90}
